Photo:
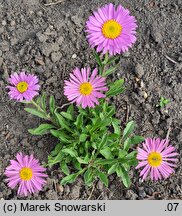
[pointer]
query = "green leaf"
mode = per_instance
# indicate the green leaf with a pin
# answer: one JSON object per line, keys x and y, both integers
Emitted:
{"x": 99, "y": 62}
{"x": 56, "y": 149}
{"x": 69, "y": 179}
{"x": 67, "y": 115}
{"x": 42, "y": 129}
{"x": 112, "y": 169}
{"x": 79, "y": 121}
{"x": 116, "y": 88}
{"x": 103, "y": 142}
{"x": 35, "y": 112}
{"x": 129, "y": 129}
{"x": 122, "y": 153}
{"x": 110, "y": 71}
{"x": 61, "y": 135}
{"x": 123, "y": 174}
{"x": 88, "y": 177}
{"x": 57, "y": 159}
{"x": 106, "y": 152}
{"x": 83, "y": 137}
{"x": 163, "y": 102}
{"x": 63, "y": 123}
{"x": 70, "y": 109}
{"x": 104, "y": 161}
{"x": 76, "y": 164}
{"x": 101, "y": 124}
{"x": 52, "y": 104}
{"x": 71, "y": 152}
{"x": 64, "y": 168}
{"x": 106, "y": 58}
{"x": 113, "y": 59}
{"x": 132, "y": 141}
{"x": 82, "y": 161}
{"x": 103, "y": 177}
{"x": 43, "y": 101}
{"x": 132, "y": 155}
{"x": 116, "y": 126}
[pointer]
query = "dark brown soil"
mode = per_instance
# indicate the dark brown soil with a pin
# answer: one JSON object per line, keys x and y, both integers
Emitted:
{"x": 50, "y": 42}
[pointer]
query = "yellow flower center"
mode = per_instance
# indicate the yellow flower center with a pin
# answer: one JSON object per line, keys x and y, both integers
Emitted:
{"x": 86, "y": 88}
{"x": 26, "y": 173}
{"x": 155, "y": 159}
{"x": 22, "y": 86}
{"x": 111, "y": 29}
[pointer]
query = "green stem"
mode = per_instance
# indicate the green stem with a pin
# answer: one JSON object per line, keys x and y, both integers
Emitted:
{"x": 47, "y": 115}
{"x": 37, "y": 106}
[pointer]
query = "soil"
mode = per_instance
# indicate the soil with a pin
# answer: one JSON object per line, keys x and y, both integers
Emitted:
{"x": 49, "y": 41}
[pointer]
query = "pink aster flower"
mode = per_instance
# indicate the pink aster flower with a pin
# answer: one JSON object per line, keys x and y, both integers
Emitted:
{"x": 158, "y": 159}
{"x": 111, "y": 29}
{"x": 23, "y": 86}
{"x": 83, "y": 89}
{"x": 26, "y": 172}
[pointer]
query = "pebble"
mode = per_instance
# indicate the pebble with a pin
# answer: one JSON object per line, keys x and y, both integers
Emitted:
{"x": 126, "y": 54}
{"x": 139, "y": 70}
{"x": 12, "y": 23}
{"x": 47, "y": 48}
{"x": 1, "y": 30}
{"x": 60, "y": 40}
{"x": 3, "y": 22}
{"x": 141, "y": 192}
{"x": 74, "y": 56}
{"x": 75, "y": 192}
{"x": 67, "y": 189}
{"x": 1, "y": 61}
{"x": 59, "y": 188}
{"x": 100, "y": 185}
{"x": 145, "y": 95}
{"x": 42, "y": 38}
{"x": 55, "y": 56}
{"x": 131, "y": 195}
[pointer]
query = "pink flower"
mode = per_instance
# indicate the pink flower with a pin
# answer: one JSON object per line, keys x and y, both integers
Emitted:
{"x": 111, "y": 29}
{"x": 26, "y": 172}
{"x": 84, "y": 90}
{"x": 23, "y": 86}
{"x": 158, "y": 159}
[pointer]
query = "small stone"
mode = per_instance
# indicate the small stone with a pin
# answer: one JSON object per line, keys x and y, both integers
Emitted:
{"x": 74, "y": 56}
{"x": 1, "y": 30}
{"x": 1, "y": 61}
{"x": 67, "y": 189}
{"x": 141, "y": 192}
{"x": 100, "y": 185}
{"x": 60, "y": 40}
{"x": 40, "y": 144}
{"x": 55, "y": 56}
{"x": 39, "y": 60}
{"x": 59, "y": 188}
{"x": 139, "y": 70}
{"x": 142, "y": 84}
{"x": 42, "y": 37}
{"x": 131, "y": 195}
{"x": 12, "y": 23}
{"x": 126, "y": 54}
{"x": 3, "y": 22}
{"x": 145, "y": 95}
{"x": 14, "y": 41}
{"x": 47, "y": 48}
{"x": 75, "y": 192}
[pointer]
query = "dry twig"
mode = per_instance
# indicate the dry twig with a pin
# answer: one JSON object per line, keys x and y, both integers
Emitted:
{"x": 170, "y": 59}
{"x": 93, "y": 187}
{"x": 54, "y": 3}
{"x": 168, "y": 132}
